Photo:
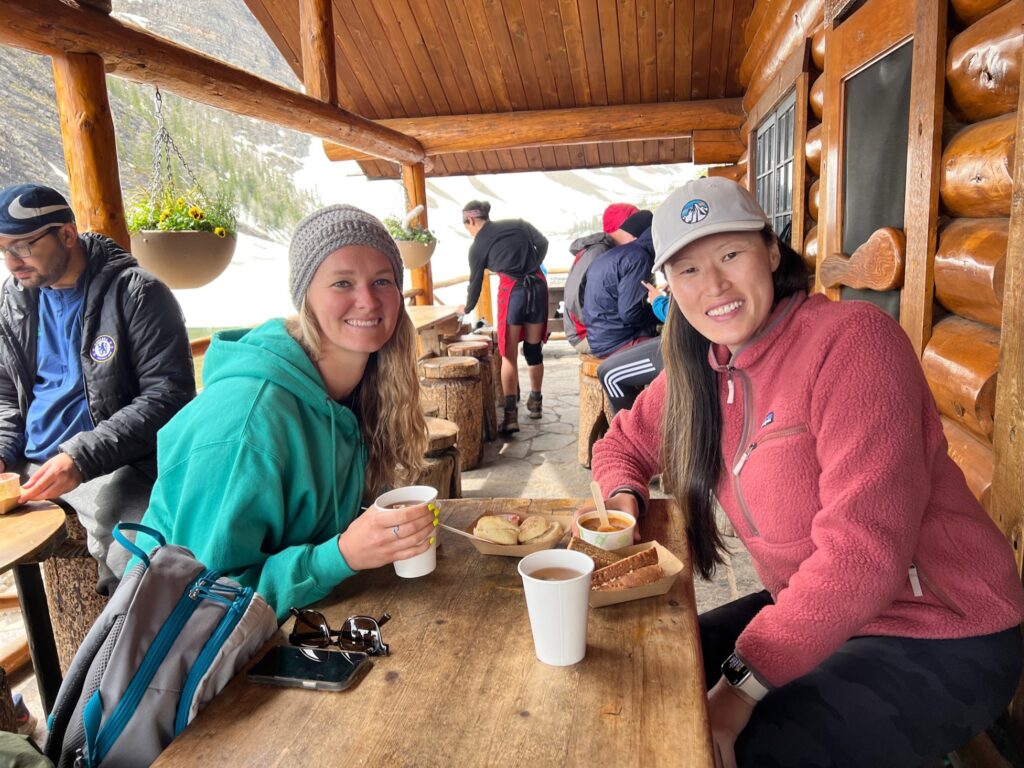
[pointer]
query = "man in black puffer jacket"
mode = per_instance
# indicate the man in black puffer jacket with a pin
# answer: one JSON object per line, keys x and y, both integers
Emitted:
{"x": 94, "y": 359}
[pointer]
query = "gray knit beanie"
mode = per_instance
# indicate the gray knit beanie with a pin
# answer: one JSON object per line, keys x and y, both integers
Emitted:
{"x": 323, "y": 232}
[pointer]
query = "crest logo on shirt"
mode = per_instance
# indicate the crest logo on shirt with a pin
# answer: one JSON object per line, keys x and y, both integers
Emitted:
{"x": 102, "y": 349}
{"x": 768, "y": 419}
{"x": 695, "y": 211}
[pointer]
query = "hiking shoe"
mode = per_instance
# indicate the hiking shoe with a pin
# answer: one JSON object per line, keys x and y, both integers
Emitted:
{"x": 24, "y": 720}
{"x": 510, "y": 425}
{"x": 534, "y": 404}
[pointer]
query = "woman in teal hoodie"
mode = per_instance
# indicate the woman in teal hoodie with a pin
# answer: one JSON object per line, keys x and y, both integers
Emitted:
{"x": 264, "y": 474}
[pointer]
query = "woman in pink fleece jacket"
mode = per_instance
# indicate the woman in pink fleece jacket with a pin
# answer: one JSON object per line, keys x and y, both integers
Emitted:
{"x": 889, "y": 630}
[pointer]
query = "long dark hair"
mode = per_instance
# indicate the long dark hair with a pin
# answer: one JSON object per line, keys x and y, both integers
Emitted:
{"x": 692, "y": 464}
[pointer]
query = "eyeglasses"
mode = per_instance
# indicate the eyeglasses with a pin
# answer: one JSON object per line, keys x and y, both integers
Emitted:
{"x": 23, "y": 248}
{"x": 358, "y": 633}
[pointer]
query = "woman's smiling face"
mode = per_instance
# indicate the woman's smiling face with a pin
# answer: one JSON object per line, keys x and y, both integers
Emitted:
{"x": 355, "y": 300}
{"x": 722, "y": 284}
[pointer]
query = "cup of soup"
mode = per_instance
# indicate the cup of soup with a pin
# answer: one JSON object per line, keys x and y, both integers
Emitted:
{"x": 618, "y": 534}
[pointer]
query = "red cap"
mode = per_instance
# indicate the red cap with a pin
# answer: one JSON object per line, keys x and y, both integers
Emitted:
{"x": 615, "y": 214}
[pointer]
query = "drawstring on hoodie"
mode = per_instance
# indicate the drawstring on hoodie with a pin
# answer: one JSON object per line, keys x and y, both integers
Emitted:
{"x": 732, "y": 388}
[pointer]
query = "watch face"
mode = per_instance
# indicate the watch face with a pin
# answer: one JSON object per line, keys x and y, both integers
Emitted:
{"x": 734, "y": 670}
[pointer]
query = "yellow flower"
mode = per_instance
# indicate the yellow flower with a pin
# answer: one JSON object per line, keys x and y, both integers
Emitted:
{"x": 181, "y": 201}
{"x": 165, "y": 214}
{"x": 195, "y": 213}
{"x": 220, "y": 232}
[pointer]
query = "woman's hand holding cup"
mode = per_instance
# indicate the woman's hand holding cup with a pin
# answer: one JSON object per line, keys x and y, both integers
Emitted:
{"x": 387, "y": 533}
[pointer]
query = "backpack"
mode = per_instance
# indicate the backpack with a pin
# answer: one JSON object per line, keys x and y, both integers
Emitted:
{"x": 170, "y": 638}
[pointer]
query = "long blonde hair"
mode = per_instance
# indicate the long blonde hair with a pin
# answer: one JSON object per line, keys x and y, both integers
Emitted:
{"x": 387, "y": 402}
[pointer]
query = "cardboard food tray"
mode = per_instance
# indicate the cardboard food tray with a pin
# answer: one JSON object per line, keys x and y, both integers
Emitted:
{"x": 521, "y": 550}
{"x": 670, "y": 564}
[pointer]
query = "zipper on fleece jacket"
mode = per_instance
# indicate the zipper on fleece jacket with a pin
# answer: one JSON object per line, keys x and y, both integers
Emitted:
{"x": 916, "y": 572}
{"x": 738, "y": 466}
{"x": 748, "y": 407}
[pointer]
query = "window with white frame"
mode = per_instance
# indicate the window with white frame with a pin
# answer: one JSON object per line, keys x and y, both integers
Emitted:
{"x": 774, "y": 164}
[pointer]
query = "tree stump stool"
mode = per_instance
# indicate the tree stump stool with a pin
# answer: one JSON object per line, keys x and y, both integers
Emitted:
{"x": 70, "y": 578}
{"x": 453, "y": 385}
{"x": 481, "y": 350}
{"x": 594, "y": 416}
{"x": 488, "y": 332}
{"x": 443, "y": 470}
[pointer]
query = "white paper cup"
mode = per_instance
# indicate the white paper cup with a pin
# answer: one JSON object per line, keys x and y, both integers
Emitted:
{"x": 558, "y": 608}
{"x": 425, "y": 562}
{"x": 612, "y": 540}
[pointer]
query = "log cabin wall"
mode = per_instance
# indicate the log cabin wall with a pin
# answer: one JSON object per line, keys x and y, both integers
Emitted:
{"x": 961, "y": 360}
{"x": 982, "y": 64}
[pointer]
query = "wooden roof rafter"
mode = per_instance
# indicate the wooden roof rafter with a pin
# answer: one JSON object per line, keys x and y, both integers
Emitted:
{"x": 53, "y": 28}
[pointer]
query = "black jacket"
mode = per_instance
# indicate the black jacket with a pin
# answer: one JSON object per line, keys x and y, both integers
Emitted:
{"x": 511, "y": 247}
{"x": 136, "y": 362}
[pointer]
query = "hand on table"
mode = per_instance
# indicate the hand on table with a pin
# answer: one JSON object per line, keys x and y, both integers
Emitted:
{"x": 620, "y": 502}
{"x": 56, "y": 477}
{"x": 379, "y": 537}
{"x": 729, "y": 712}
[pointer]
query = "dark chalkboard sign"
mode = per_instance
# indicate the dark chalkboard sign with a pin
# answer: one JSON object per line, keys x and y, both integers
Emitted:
{"x": 876, "y": 126}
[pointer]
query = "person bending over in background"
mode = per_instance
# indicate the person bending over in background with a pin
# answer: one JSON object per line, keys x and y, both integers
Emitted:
{"x": 515, "y": 250}
{"x": 263, "y": 475}
{"x": 585, "y": 250}
{"x": 615, "y": 308}
{"x": 889, "y": 630}
{"x": 95, "y": 359}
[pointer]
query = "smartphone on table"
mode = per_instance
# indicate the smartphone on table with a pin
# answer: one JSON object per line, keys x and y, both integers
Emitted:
{"x": 321, "y": 669}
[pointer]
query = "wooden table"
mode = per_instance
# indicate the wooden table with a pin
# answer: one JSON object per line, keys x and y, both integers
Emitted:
{"x": 27, "y": 534}
{"x": 462, "y": 685}
{"x": 432, "y": 322}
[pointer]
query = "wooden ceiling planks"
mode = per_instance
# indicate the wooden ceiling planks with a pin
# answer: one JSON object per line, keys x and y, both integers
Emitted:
{"x": 409, "y": 58}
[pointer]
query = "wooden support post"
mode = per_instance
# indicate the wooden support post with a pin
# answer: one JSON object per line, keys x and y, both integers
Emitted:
{"x": 90, "y": 149}
{"x": 485, "y": 307}
{"x": 317, "y": 37}
{"x": 415, "y": 181}
{"x": 1008, "y": 427}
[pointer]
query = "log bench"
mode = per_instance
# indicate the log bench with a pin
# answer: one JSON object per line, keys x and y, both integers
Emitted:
{"x": 452, "y": 384}
{"x": 480, "y": 348}
{"x": 443, "y": 469}
{"x": 594, "y": 416}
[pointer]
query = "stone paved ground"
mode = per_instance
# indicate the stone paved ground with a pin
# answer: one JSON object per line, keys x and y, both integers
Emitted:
{"x": 540, "y": 461}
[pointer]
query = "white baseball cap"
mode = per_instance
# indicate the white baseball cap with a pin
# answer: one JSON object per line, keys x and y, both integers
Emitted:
{"x": 700, "y": 208}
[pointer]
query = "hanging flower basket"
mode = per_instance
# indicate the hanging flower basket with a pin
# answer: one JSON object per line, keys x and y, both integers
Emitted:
{"x": 183, "y": 259}
{"x": 416, "y": 244}
{"x": 415, "y": 254}
{"x": 179, "y": 233}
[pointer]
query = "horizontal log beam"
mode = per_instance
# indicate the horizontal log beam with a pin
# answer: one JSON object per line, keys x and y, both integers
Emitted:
{"x": 970, "y": 268}
{"x": 977, "y": 169}
{"x": 50, "y": 27}
{"x": 983, "y": 65}
{"x": 444, "y": 134}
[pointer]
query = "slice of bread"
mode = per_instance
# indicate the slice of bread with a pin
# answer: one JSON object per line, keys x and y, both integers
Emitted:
{"x": 532, "y": 527}
{"x": 496, "y": 529}
{"x": 601, "y": 557}
{"x": 646, "y": 575}
{"x": 641, "y": 559}
{"x": 553, "y": 532}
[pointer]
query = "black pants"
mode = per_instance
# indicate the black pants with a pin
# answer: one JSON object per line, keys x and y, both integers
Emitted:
{"x": 877, "y": 701}
{"x": 626, "y": 372}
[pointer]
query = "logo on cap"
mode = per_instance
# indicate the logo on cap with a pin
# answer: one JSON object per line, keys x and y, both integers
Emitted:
{"x": 102, "y": 349}
{"x": 695, "y": 211}
{"x": 19, "y": 211}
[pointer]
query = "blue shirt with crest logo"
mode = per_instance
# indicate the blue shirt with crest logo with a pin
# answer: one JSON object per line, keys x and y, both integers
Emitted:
{"x": 58, "y": 409}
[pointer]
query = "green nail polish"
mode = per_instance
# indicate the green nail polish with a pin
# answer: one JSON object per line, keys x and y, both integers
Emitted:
{"x": 432, "y": 539}
{"x": 435, "y": 523}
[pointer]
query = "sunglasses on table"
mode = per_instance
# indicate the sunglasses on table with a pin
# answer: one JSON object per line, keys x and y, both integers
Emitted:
{"x": 357, "y": 633}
